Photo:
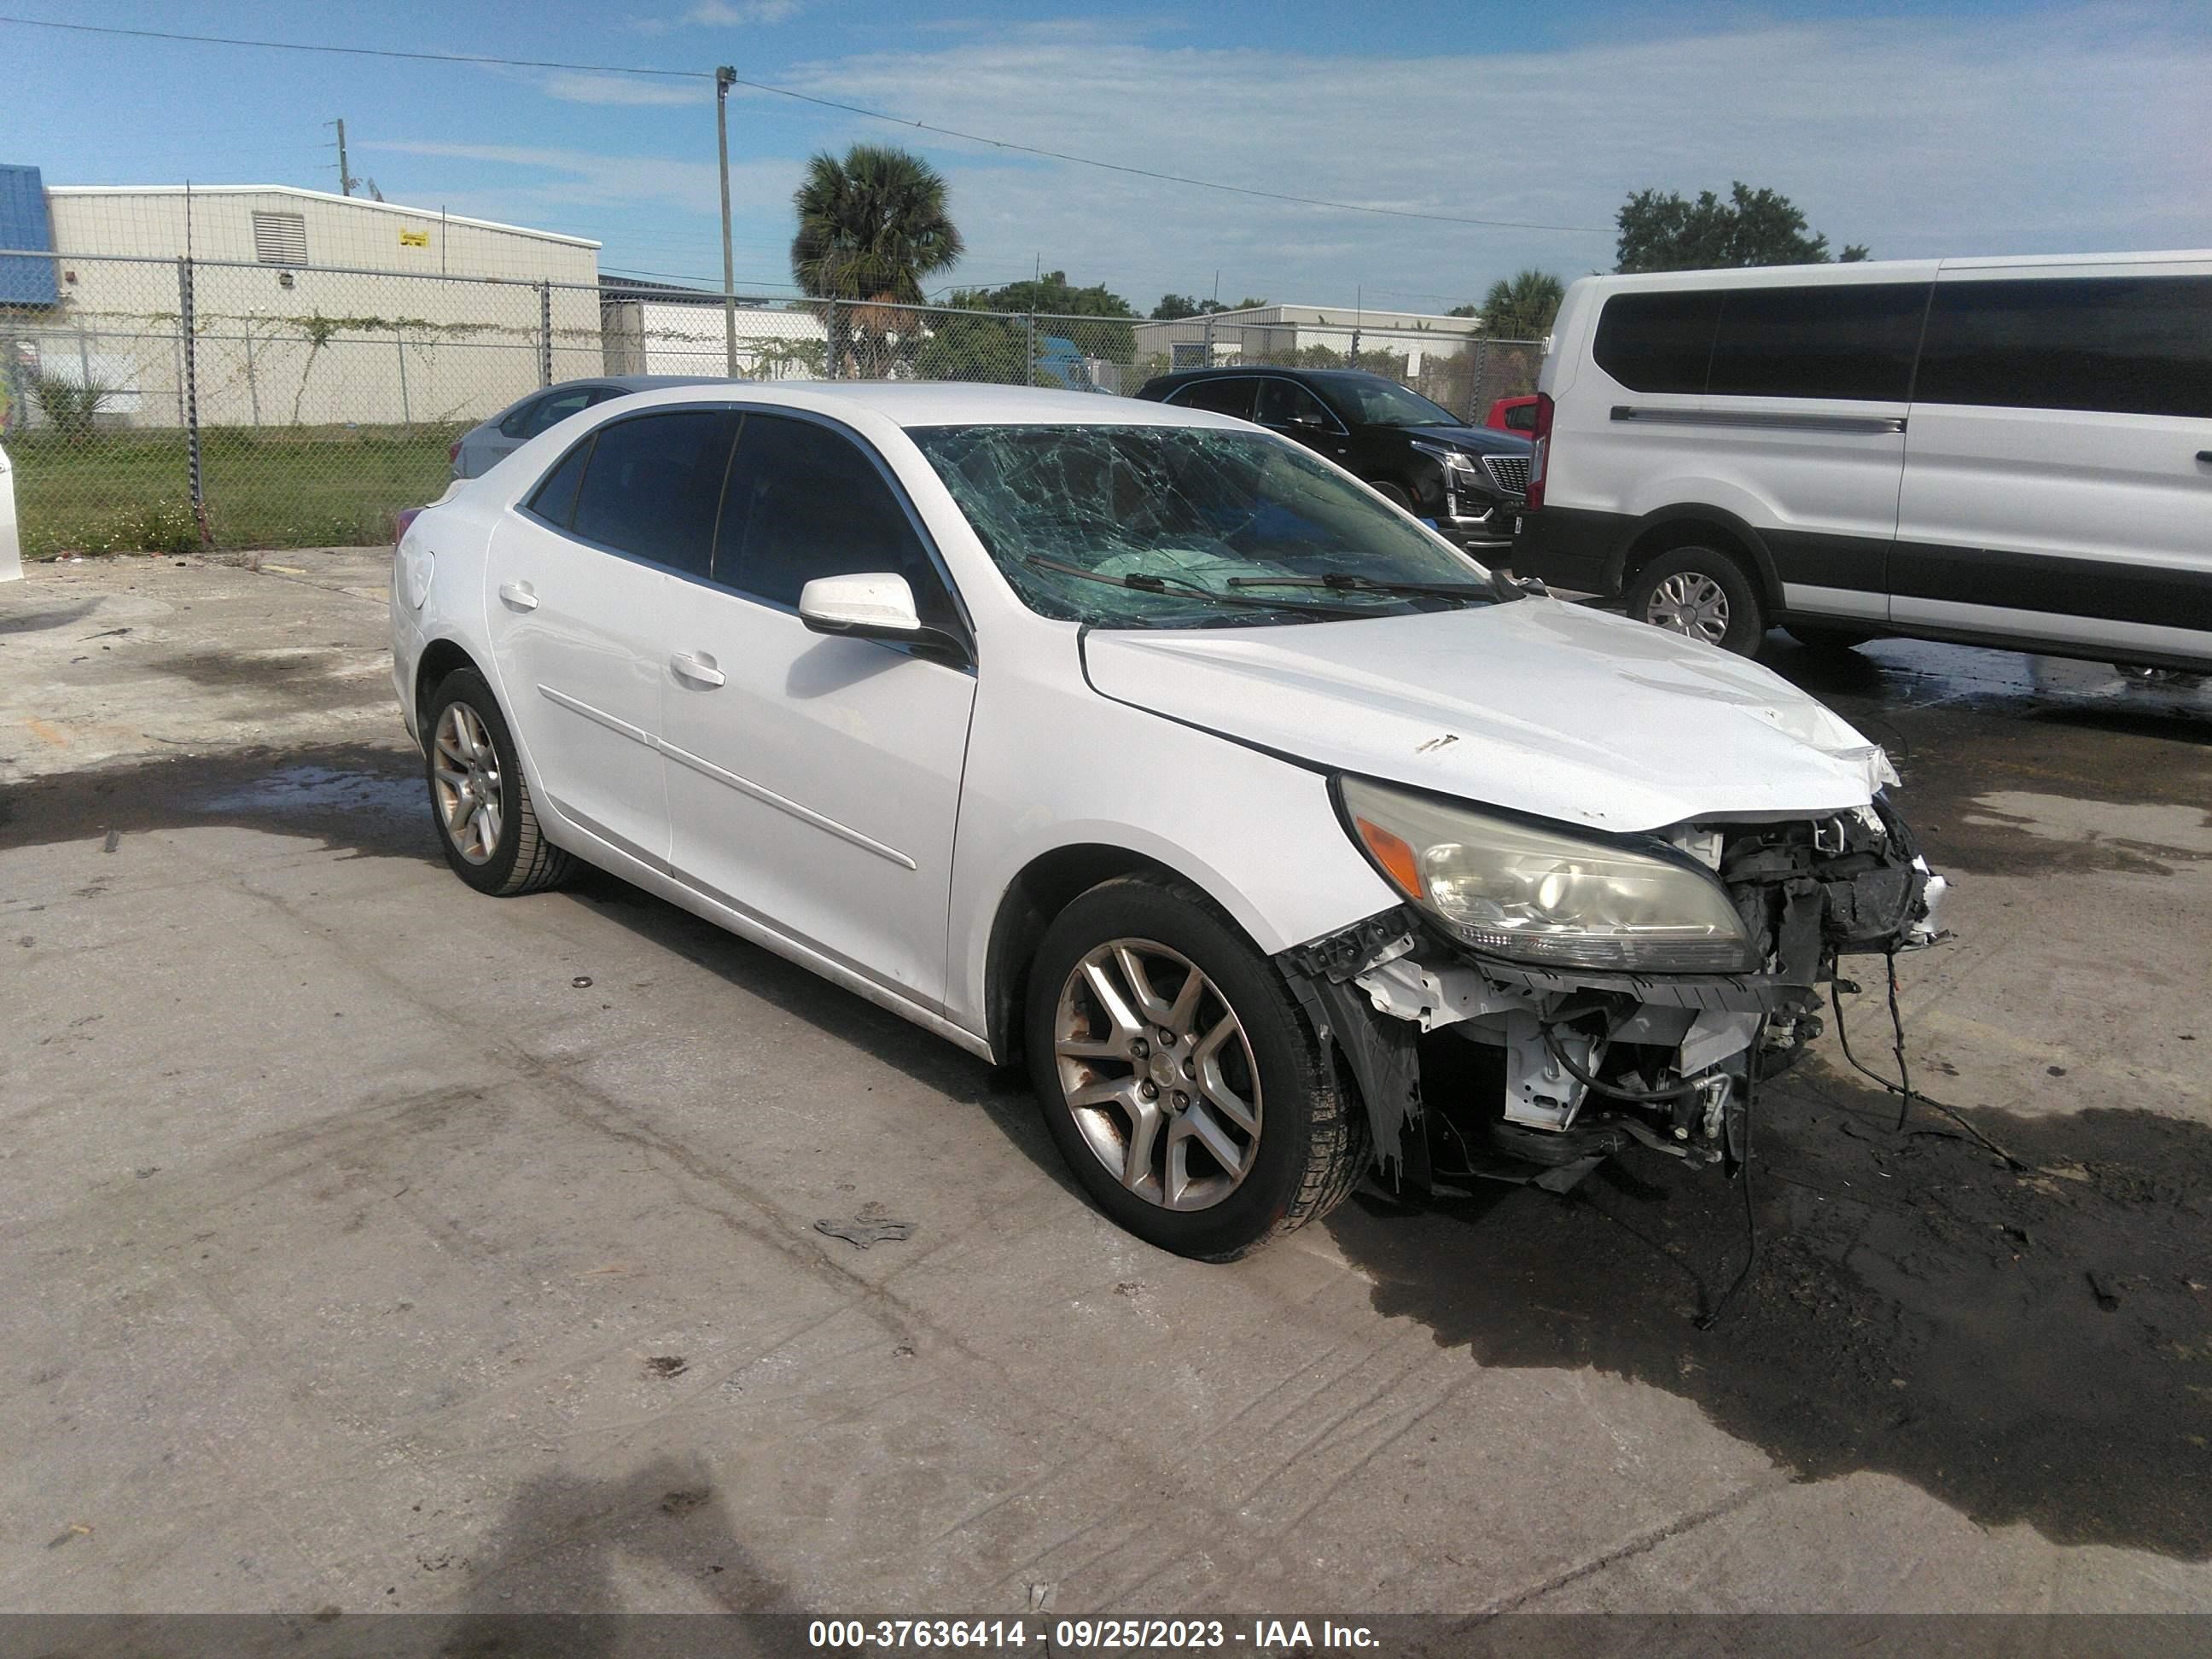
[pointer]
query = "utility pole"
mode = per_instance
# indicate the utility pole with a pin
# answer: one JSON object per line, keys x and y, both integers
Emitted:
{"x": 724, "y": 77}
{"x": 346, "y": 180}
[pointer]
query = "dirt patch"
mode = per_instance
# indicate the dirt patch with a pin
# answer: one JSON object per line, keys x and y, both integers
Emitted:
{"x": 2029, "y": 1347}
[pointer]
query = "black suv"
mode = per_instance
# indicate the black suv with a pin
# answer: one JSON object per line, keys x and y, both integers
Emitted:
{"x": 1468, "y": 480}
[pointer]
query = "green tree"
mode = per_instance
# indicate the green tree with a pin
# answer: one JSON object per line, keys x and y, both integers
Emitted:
{"x": 1751, "y": 228}
{"x": 1174, "y": 307}
{"x": 871, "y": 225}
{"x": 1523, "y": 308}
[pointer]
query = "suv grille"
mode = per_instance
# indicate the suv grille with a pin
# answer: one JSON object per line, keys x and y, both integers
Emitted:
{"x": 1509, "y": 473}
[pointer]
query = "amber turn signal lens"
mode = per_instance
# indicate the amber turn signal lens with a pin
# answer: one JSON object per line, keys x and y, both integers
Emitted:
{"x": 1395, "y": 854}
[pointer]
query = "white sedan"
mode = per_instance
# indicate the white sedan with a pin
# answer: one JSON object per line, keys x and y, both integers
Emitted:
{"x": 1276, "y": 837}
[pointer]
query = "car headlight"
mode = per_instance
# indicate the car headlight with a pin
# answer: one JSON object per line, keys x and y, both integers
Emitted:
{"x": 1454, "y": 461}
{"x": 1544, "y": 896}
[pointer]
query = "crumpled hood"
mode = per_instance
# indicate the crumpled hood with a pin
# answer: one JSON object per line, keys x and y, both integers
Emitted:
{"x": 1537, "y": 706}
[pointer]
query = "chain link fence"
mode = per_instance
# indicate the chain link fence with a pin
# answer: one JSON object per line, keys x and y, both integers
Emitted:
{"x": 168, "y": 403}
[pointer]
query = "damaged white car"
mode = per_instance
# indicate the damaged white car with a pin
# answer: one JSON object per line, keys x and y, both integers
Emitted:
{"x": 1278, "y": 838}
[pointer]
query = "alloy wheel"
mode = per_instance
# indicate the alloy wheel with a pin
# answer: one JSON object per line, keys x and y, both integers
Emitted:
{"x": 465, "y": 780}
{"x": 1157, "y": 1071}
{"x": 1691, "y": 603}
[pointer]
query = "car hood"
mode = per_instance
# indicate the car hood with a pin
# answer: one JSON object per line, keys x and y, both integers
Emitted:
{"x": 1535, "y": 705}
{"x": 1476, "y": 440}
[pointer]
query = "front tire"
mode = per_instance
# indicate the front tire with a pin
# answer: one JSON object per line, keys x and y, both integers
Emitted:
{"x": 1395, "y": 495}
{"x": 1178, "y": 1078}
{"x": 487, "y": 827}
{"x": 1702, "y": 593}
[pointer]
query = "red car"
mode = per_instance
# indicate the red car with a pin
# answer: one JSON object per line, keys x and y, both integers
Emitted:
{"x": 1514, "y": 414}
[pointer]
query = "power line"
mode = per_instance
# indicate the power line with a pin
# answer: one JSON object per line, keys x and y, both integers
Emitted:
{"x": 486, "y": 61}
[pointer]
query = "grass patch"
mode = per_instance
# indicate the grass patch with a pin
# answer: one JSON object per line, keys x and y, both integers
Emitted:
{"x": 117, "y": 491}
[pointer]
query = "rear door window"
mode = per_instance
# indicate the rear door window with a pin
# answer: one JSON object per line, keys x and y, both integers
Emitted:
{"x": 1846, "y": 341}
{"x": 805, "y": 501}
{"x": 1285, "y": 403}
{"x": 1658, "y": 341}
{"x": 653, "y": 485}
{"x": 1229, "y": 395}
{"x": 2126, "y": 345}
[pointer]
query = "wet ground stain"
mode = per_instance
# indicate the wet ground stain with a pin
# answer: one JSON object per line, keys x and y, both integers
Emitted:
{"x": 366, "y": 799}
{"x": 1961, "y": 724}
{"x": 2025, "y": 1346}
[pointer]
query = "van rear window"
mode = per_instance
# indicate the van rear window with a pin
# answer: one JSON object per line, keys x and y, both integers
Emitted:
{"x": 2126, "y": 345}
{"x": 1657, "y": 342}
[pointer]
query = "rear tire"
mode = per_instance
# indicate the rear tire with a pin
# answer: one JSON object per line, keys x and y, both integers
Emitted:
{"x": 1304, "y": 1140}
{"x": 480, "y": 802}
{"x": 1701, "y": 592}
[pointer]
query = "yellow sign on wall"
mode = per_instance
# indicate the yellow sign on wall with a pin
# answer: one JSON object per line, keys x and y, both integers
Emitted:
{"x": 414, "y": 239}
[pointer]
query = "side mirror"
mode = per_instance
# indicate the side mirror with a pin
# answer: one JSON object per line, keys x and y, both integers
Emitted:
{"x": 879, "y": 605}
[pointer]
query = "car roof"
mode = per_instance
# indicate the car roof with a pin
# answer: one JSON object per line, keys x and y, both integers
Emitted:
{"x": 951, "y": 402}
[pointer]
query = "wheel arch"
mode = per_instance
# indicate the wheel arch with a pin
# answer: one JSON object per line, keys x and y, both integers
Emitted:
{"x": 440, "y": 657}
{"x": 1695, "y": 525}
{"x": 1038, "y": 892}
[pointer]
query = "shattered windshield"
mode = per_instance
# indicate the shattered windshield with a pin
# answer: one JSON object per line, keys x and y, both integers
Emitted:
{"x": 1172, "y": 527}
{"x": 1372, "y": 401}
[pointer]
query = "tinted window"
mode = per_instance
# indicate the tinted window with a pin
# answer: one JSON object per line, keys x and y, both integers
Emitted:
{"x": 1232, "y": 395}
{"x": 556, "y": 500}
{"x": 1285, "y": 403}
{"x": 517, "y": 424}
{"x": 1657, "y": 342}
{"x": 654, "y": 484}
{"x": 805, "y": 501}
{"x": 559, "y": 407}
{"x": 1520, "y": 418}
{"x": 1835, "y": 340}
{"x": 2131, "y": 345}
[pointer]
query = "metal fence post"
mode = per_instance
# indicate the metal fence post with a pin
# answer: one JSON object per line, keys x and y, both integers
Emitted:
{"x": 406, "y": 418}
{"x": 191, "y": 398}
{"x": 831, "y": 343}
{"x": 544, "y": 333}
{"x": 1028, "y": 348}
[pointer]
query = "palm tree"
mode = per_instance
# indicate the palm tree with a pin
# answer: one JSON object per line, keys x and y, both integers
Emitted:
{"x": 871, "y": 226}
{"x": 1522, "y": 309}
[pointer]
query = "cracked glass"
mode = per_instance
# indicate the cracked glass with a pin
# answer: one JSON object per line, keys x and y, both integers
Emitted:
{"x": 1208, "y": 528}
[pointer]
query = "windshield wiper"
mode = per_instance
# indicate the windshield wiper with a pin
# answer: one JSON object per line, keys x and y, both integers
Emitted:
{"x": 1144, "y": 581}
{"x": 1345, "y": 581}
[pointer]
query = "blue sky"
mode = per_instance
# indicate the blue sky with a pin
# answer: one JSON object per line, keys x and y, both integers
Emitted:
{"x": 1973, "y": 127}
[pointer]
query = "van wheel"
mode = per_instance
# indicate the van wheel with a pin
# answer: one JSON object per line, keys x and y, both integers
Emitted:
{"x": 1822, "y": 636}
{"x": 1187, "y": 1093}
{"x": 1702, "y": 593}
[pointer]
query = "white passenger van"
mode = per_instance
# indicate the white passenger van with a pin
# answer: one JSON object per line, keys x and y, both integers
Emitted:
{"x": 2013, "y": 452}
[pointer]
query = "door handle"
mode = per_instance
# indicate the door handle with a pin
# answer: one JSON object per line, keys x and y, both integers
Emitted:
{"x": 519, "y": 595}
{"x": 699, "y": 669}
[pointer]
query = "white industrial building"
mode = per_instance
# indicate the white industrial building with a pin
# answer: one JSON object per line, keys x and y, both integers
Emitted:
{"x": 308, "y": 308}
{"x": 658, "y": 328}
{"x": 1277, "y": 333}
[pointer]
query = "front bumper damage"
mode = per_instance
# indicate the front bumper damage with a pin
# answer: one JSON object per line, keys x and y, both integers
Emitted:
{"x": 1474, "y": 1067}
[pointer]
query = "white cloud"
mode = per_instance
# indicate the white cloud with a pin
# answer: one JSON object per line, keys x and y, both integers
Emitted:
{"x": 584, "y": 178}
{"x": 2062, "y": 130}
{"x": 720, "y": 14}
{"x": 581, "y": 89}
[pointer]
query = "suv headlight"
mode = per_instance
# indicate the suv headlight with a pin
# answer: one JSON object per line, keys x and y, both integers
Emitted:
{"x": 1544, "y": 896}
{"x": 1454, "y": 461}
